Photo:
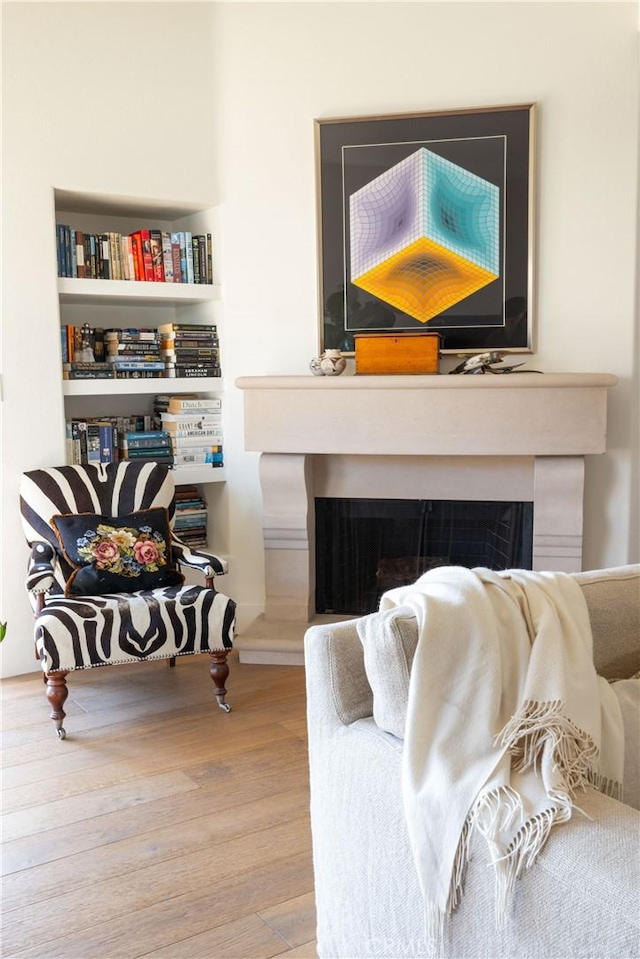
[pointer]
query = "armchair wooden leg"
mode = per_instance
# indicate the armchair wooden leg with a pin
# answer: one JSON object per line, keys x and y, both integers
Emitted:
{"x": 172, "y": 661}
{"x": 219, "y": 671}
{"x": 57, "y": 693}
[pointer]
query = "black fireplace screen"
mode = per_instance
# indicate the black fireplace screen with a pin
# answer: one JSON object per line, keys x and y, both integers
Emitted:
{"x": 366, "y": 546}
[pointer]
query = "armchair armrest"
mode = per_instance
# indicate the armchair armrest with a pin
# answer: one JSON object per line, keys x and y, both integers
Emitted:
{"x": 208, "y": 563}
{"x": 40, "y": 570}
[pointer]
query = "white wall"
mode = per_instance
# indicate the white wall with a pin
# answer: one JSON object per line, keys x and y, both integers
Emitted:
{"x": 274, "y": 67}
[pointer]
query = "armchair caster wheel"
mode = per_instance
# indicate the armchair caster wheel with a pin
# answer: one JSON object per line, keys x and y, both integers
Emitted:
{"x": 225, "y": 706}
{"x": 61, "y": 733}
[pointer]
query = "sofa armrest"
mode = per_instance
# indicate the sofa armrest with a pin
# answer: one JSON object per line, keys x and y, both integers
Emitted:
{"x": 579, "y": 899}
{"x": 613, "y": 600}
{"x": 338, "y": 690}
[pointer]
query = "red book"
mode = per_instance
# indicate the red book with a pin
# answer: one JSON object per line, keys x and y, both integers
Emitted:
{"x": 147, "y": 259}
{"x": 138, "y": 263}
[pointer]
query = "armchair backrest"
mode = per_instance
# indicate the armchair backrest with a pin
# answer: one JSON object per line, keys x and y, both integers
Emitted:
{"x": 111, "y": 490}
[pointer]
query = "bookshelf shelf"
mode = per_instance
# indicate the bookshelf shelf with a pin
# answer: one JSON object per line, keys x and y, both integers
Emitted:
{"x": 150, "y": 386}
{"x": 133, "y": 292}
{"x": 199, "y": 475}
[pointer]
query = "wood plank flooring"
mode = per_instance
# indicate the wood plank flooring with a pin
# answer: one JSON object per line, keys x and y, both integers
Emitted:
{"x": 162, "y": 826}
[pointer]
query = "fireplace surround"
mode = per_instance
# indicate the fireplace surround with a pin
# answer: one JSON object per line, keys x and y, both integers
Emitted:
{"x": 518, "y": 437}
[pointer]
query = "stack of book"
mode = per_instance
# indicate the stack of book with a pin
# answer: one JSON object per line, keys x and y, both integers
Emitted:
{"x": 190, "y": 349}
{"x": 155, "y": 256}
{"x": 134, "y": 353}
{"x": 190, "y": 523}
{"x": 150, "y": 445}
{"x": 194, "y": 427}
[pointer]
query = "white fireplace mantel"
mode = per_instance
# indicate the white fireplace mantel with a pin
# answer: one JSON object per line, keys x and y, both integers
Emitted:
{"x": 519, "y": 436}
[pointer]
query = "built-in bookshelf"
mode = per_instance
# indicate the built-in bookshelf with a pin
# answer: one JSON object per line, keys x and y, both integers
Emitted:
{"x": 125, "y": 304}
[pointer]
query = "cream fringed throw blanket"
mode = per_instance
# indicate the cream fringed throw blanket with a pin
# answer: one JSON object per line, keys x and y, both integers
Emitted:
{"x": 506, "y": 720}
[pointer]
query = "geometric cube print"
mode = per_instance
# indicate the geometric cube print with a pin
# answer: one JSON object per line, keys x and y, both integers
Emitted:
{"x": 425, "y": 234}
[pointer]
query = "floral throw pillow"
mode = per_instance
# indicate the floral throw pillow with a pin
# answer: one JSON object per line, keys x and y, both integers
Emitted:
{"x": 117, "y": 554}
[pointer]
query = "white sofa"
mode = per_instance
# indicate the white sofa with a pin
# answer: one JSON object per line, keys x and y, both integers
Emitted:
{"x": 582, "y": 897}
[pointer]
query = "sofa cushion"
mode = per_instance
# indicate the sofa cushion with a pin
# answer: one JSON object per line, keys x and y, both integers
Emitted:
{"x": 628, "y": 694}
{"x": 389, "y": 641}
{"x": 390, "y": 638}
{"x": 613, "y": 600}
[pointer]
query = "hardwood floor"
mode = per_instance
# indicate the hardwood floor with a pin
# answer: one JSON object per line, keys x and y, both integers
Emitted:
{"x": 162, "y": 826}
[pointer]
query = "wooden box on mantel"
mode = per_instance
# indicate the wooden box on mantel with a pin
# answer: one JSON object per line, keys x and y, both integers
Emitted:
{"x": 388, "y": 353}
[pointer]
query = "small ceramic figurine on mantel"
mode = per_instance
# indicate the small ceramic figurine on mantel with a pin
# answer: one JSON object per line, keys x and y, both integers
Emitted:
{"x": 329, "y": 363}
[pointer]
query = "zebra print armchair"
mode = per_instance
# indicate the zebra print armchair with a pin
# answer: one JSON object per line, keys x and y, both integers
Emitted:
{"x": 124, "y": 513}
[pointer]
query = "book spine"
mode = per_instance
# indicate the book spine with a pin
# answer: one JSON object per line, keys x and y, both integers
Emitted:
{"x": 104, "y": 270}
{"x": 192, "y": 423}
{"x": 147, "y": 259}
{"x": 209, "y": 260}
{"x": 214, "y": 433}
{"x": 156, "y": 255}
{"x": 172, "y": 328}
{"x": 159, "y": 455}
{"x": 202, "y": 256}
{"x": 175, "y": 257}
{"x": 136, "y": 249}
{"x": 133, "y": 444}
{"x": 197, "y": 458}
{"x": 128, "y": 365}
{"x": 80, "y": 267}
{"x": 106, "y": 443}
{"x": 183, "y": 257}
{"x": 178, "y": 404}
{"x": 156, "y": 435}
{"x": 98, "y": 344}
{"x": 62, "y": 269}
{"x": 188, "y": 242}
{"x": 87, "y": 375}
{"x": 195, "y": 254}
{"x": 93, "y": 443}
{"x": 188, "y": 442}
{"x": 167, "y": 259}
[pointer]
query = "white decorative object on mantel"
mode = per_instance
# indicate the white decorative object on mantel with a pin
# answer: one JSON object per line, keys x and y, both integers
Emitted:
{"x": 521, "y": 437}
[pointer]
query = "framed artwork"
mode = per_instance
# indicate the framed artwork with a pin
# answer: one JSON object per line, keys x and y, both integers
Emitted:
{"x": 425, "y": 223}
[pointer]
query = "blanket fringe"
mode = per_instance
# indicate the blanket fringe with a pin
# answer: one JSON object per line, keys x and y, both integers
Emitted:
{"x": 540, "y": 725}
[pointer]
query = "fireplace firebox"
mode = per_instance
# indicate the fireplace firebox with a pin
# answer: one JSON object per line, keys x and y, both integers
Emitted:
{"x": 366, "y": 546}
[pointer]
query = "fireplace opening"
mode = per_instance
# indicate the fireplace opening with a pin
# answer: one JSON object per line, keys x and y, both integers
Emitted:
{"x": 366, "y": 546}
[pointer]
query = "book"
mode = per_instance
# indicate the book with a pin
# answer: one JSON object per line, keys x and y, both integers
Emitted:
{"x": 88, "y": 375}
{"x": 159, "y": 455}
{"x": 143, "y": 434}
{"x": 192, "y": 372}
{"x": 104, "y": 265}
{"x": 195, "y": 248}
{"x": 175, "y": 257}
{"x": 206, "y": 442}
{"x": 144, "y": 444}
{"x": 186, "y": 327}
{"x": 78, "y": 365}
{"x": 124, "y": 363}
{"x": 178, "y": 404}
{"x": 189, "y": 256}
{"x": 157, "y": 255}
{"x": 167, "y": 259}
{"x": 197, "y": 459}
{"x": 194, "y": 425}
{"x": 209, "y": 259}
